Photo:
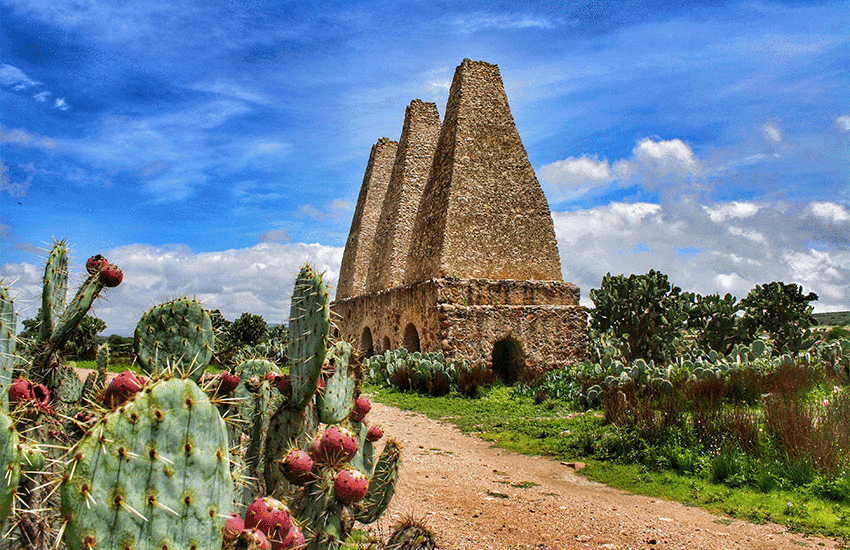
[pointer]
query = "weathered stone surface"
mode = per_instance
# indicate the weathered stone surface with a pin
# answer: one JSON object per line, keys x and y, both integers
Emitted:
{"x": 361, "y": 238}
{"x": 458, "y": 253}
{"x": 410, "y": 173}
{"x": 483, "y": 213}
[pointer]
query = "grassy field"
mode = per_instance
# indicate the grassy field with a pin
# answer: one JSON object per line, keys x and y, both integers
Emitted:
{"x": 552, "y": 428}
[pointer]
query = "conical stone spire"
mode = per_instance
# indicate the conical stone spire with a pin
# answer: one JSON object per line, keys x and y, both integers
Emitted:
{"x": 361, "y": 237}
{"x": 482, "y": 213}
{"x": 410, "y": 174}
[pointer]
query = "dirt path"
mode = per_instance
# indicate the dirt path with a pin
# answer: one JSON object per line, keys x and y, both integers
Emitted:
{"x": 474, "y": 496}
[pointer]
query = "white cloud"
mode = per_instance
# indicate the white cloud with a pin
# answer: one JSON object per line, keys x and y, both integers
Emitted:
{"x": 41, "y": 97}
{"x": 60, "y": 104}
{"x": 22, "y": 137}
{"x": 734, "y": 209}
{"x": 831, "y": 211}
{"x": 479, "y": 21}
{"x": 731, "y": 247}
{"x": 843, "y": 122}
{"x": 574, "y": 176}
{"x": 652, "y": 164}
{"x": 772, "y": 132}
{"x": 15, "y": 78}
{"x": 257, "y": 280}
{"x": 662, "y": 158}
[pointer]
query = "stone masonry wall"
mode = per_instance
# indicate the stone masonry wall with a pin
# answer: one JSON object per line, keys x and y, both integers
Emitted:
{"x": 361, "y": 237}
{"x": 410, "y": 173}
{"x": 460, "y": 317}
{"x": 483, "y": 213}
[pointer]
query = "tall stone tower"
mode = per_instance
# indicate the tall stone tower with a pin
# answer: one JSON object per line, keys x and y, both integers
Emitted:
{"x": 361, "y": 237}
{"x": 410, "y": 174}
{"x": 483, "y": 213}
{"x": 453, "y": 248}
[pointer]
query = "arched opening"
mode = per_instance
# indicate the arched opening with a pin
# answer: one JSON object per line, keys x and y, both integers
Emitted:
{"x": 411, "y": 338}
{"x": 507, "y": 360}
{"x": 366, "y": 342}
{"x": 385, "y": 345}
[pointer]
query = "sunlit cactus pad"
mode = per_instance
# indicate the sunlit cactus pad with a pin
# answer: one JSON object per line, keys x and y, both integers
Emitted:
{"x": 176, "y": 334}
{"x": 152, "y": 474}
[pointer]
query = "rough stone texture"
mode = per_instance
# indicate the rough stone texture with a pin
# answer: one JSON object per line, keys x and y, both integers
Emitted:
{"x": 466, "y": 318}
{"x": 480, "y": 278}
{"x": 361, "y": 237}
{"x": 409, "y": 176}
{"x": 483, "y": 213}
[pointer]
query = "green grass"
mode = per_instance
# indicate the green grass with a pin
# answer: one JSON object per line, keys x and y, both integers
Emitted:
{"x": 553, "y": 429}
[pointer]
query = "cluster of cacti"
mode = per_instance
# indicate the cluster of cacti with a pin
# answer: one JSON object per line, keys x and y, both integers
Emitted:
{"x": 427, "y": 373}
{"x": 146, "y": 463}
{"x": 329, "y": 478}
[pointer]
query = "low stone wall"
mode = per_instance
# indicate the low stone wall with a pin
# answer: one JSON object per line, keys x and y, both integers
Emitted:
{"x": 511, "y": 326}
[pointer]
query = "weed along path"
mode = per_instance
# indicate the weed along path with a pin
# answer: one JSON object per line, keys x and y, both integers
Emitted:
{"x": 474, "y": 496}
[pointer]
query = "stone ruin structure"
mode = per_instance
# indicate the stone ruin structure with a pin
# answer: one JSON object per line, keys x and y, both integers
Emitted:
{"x": 452, "y": 244}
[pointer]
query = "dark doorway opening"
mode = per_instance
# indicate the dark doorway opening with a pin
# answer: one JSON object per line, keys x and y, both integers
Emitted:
{"x": 386, "y": 344}
{"x": 366, "y": 342}
{"x": 411, "y": 338}
{"x": 507, "y": 360}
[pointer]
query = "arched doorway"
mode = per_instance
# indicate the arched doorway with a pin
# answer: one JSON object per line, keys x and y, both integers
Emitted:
{"x": 386, "y": 343}
{"x": 366, "y": 342}
{"x": 411, "y": 338}
{"x": 507, "y": 360}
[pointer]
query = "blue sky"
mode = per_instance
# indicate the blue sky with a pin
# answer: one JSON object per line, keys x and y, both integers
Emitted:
{"x": 210, "y": 148}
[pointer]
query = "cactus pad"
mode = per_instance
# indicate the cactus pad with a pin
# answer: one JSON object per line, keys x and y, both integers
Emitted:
{"x": 177, "y": 335}
{"x": 152, "y": 474}
{"x": 10, "y": 458}
{"x": 309, "y": 325}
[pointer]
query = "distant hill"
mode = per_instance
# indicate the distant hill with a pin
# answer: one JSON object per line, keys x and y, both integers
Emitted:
{"x": 833, "y": 318}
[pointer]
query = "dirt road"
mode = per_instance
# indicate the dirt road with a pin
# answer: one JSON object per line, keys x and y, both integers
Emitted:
{"x": 475, "y": 496}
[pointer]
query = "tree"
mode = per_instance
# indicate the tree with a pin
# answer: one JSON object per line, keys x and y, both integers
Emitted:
{"x": 248, "y": 330}
{"x": 645, "y": 310}
{"x": 83, "y": 335}
{"x": 716, "y": 323}
{"x": 783, "y": 311}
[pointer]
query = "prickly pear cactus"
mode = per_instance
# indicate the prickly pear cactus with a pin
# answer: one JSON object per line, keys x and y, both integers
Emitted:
{"x": 176, "y": 335}
{"x": 10, "y": 459}
{"x": 309, "y": 325}
{"x": 55, "y": 289}
{"x": 8, "y": 319}
{"x": 152, "y": 474}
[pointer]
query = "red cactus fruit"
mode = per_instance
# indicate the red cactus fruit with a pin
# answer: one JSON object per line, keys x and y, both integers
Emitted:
{"x": 322, "y": 384}
{"x": 350, "y": 485}
{"x": 227, "y": 382}
{"x": 338, "y": 442}
{"x": 297, "y": 467}
{"x": 95, "y": 264}
{"x": 24, "y": 390}
{"x": 121, "y": 388}
{"x": 270, "y": 516}
{"x": 284, "y": 386}
{"x": 271, "y": 376}
{"x": 232, "y": 528}
{"x": 362, "y": 406}
{"x": 316, "y": 449}
{"x": 374, "y": 434}
{"x": 252, "y": 539}
{"x": 111, "y": 276}
{"x": 297, "y": 538}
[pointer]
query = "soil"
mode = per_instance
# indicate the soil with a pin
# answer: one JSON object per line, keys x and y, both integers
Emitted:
{"x": 475, "y": 496}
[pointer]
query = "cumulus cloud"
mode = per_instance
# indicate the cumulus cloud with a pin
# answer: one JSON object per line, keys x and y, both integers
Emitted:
{"x": 574, "y": 176}
{"x": 653, "y": 164}
{"x": 41, "y": 97}
{"x": 60, "y": 104}
{"x": 843, "y": 123}
{"x": 724, "y": 247}
{"x": 257, "y": 280}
